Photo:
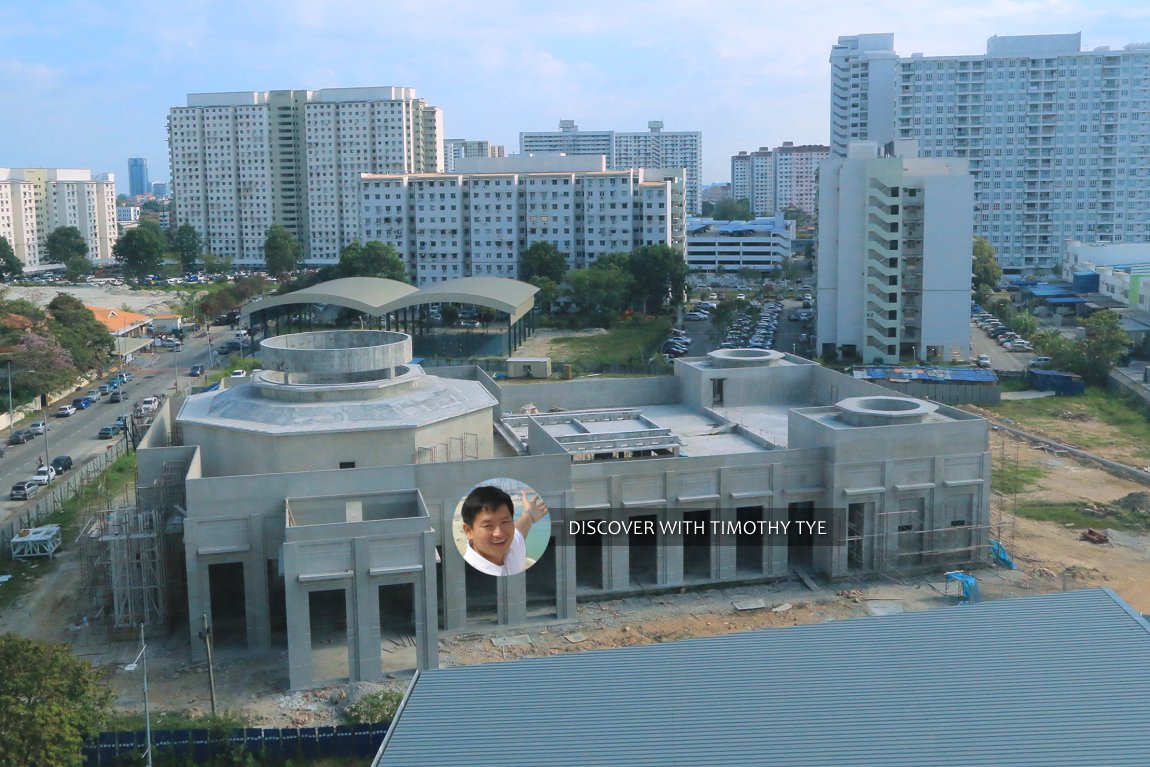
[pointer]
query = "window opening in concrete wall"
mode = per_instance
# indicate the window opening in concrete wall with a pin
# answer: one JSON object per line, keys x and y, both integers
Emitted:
{"x": 905, "y": 530}
{"x": 541, "y": 584}
{"x": 397, "y": 642}
{"x": 643, "y": 551}
{"x": 717, "y": 391}
{"x": 229, "y": 615}
{"x": 441, "y": 591}
{"x": 327, "y": 612}
{"x": 589, "y": 551}
{"x": 697, "y": 546}
{"x": 856, "y": 535}
{"x": 482, "y": 598}
{"x": 347, "y": 464}
{"x": 800, "y": 538}
{"x": 277, "y": 604}
{"x": 749, "y": 544}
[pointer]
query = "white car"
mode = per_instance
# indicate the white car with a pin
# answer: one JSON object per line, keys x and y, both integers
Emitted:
{"x": 239, "y": 374}
{"x": 40, "y": 427}
{"x": 44, "y": 475}
{"x": 65, "y": 411}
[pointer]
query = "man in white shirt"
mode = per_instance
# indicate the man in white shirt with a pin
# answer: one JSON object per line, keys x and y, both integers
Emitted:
{"x": 496, "y": 541}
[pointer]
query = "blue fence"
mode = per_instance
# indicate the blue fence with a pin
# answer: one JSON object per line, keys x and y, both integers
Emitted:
{"x": 199, "y": 746}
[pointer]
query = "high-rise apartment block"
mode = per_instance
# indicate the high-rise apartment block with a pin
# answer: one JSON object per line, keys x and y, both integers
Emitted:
{"x": 36, "y": 201}
{"x": 138, "y": 176}
{"x": 894, "y": 255}
{"x": 477, "y": 222}
{"x": 459, "y": 148}
{"x": 786, "y": 177}
{"x": 242, "y": 162}
{"x": 652, "y": 149}
{"x": 1058, "y": 139}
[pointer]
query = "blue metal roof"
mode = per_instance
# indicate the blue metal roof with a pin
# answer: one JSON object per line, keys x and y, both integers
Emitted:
{"x": 1060, "y": 679}
{"x": 1066, "y": 300}
{"x": 966, "y": 375}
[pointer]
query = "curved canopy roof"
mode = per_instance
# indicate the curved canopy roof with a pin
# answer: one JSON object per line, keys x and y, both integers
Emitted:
{"x": 377, "y": 296}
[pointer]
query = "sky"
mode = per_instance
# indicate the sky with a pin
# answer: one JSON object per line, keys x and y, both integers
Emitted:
{"x": 88, "y": 84}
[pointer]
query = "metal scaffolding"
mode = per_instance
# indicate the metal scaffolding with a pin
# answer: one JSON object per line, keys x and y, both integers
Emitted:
{"x": 127, "y": 553}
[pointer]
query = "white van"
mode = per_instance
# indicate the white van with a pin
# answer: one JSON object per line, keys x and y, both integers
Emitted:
{"x": 149, "y": 404}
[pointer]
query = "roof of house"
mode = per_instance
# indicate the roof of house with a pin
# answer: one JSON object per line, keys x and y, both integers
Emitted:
{"x": 118, "y": 320}
{"x": 1054, "y": 679}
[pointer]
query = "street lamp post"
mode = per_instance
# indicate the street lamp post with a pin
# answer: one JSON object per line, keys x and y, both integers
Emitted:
{"x": 11, "y": 417}
{"x": 142, "y": 658}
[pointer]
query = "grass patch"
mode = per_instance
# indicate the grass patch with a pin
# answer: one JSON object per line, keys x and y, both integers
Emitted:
{"x": 632, "y": 342}
{"x": 24, "y": 572}
{"x": 1011, "y": 478}
{"x": 1072, "y": 515}
{"x": 178, "y": 720}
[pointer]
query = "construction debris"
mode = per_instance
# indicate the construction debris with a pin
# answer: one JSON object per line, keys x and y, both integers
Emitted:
{"x": 782, "y": 608}
{"x": 749, "y": 604}
{"x": 1094, "y": 536}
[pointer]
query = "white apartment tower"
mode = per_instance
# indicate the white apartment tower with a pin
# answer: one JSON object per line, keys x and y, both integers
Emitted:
{"x": 863, "y": 71}
{"x": 775, "y": 180}
{"x": 477, "y": 222}
{"x": 459, "y": 148}
{"x": 36, "y": 201}
{"x": 894, "y": 255}
{"x": 1058, "y": 138}
{"x": 244, "y": 161}
{"x": 651, "y": 149}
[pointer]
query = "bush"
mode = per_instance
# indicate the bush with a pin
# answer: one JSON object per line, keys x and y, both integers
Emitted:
{"x": 373, "y": 707}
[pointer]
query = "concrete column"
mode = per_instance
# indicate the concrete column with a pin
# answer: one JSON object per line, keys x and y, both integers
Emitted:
{"x": 723, "y": 545}
{"x": 298, "y": 624}
{"x": 426, "y": 610}
{"x": 511, "y": 594}
{"x": 363, "y": 606}
{"x": 256, "y": 596}
{"x": 198, "y": 591}
{"x": 565, "y": 588}
{"x": 671, "y": 551}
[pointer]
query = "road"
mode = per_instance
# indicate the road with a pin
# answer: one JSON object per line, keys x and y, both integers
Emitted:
{"x": 156, "y": 373}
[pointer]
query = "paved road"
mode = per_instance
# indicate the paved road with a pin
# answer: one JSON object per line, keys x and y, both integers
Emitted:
{"x": 155, "y": 373}
{"x": 1000, "y": 359}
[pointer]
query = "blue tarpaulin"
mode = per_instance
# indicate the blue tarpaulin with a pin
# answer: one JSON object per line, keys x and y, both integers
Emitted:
{"x": 970, "y": 593}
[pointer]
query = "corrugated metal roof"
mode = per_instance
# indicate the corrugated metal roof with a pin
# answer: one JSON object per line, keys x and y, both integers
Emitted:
{"x": 1061, "y": 679}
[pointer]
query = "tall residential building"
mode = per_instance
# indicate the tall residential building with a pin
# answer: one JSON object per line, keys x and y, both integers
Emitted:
{"x": 138, "y": 176}
{"x": 477, "y": 221}
{"x": 894, "y": 255}
{"x": 775, "y": 180}
{"x": 36, "y": 201}
{"x": 242, "y": 162}
{"x": 863, "y": 73}
{"x": 460, "y": 148}
{"x": 651, "y": 149}
{"x": 1058, "y": 138}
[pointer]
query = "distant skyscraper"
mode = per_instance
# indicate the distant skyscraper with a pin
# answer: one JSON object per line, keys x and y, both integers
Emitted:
{"x": 161, "y": 188}
{"x": 459, "y": 148}
{"x": 244, "y": 161}
{"x": 650, "y": 149}
{"x": 1057, "y": 137}
{"x": 776, "y": 180}
{"x": 138, "y": 176}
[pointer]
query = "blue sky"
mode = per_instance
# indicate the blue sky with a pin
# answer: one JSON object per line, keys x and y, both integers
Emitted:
{"x": 87, "y": 83}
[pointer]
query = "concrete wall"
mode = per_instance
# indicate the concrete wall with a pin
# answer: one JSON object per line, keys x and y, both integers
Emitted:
{"x": 585, "y": 393}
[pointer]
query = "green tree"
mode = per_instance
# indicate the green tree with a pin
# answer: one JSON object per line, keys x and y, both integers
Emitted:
{"x": 188, "y": 246}
{"x": 598, "y": 290}
{"x": 375, "y": 259}
{"x": 986, "y": 269}
{"x": 76, "y": 329}
{"x": 659, "y": 276}
{"x": 729, "y": 210}
{"x": 49, "y": 700}
{"x": 802, "y": 219}
{"x": 66, "y": 245}
{"x": 281, "y": 251}
{"x": 9, "y": 264}
{"x": 548, "y": 292}
{"x": 542, "y": 259}
{"x": 140, "y": 252}
{"x": 214, "y": 264}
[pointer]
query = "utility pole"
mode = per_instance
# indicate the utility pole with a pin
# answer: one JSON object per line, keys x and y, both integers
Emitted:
{"x": 206, "y": 635}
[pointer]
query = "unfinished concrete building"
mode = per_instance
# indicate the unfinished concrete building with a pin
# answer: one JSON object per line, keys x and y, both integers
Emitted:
{"x": 320, "y": 492}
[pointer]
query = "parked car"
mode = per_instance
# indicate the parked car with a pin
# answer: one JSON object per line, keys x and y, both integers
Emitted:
{"x": 44, "y": 475}
{"x": 197, "y": 370}
{"x": 28, "y": 434}
{"x": 66, "y": 410}
{"x": 107, "y": 432}
{"x": 1039, "y": 362}
{"x": 239, "y": 374}
{"x": 62, "y": 463}
{"x": 39, "y": 427}
{"x": 983, "y": 361}
{"x": 122, "y": 421}
{"x": 22, "y": 491}
{"x": 17, "y": 437}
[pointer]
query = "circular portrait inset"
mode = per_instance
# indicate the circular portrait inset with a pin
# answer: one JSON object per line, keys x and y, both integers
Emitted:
{"x": 501, "y": 527}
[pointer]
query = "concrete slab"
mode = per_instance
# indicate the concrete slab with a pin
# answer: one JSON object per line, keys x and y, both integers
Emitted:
{"x": 749, "y": 604}
{"x": 1027, "y": 394}
{"x": 511, "y": 641}
{"x": 883, "y": 606}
